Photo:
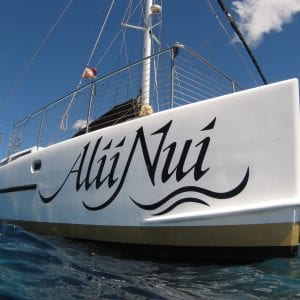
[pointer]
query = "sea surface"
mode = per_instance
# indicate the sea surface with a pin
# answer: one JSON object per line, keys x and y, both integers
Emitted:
{"x": 34, "y": 266}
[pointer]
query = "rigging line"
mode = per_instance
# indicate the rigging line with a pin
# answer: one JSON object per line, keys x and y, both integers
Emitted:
{"x": 238, "y": 32}
{"x": 100, "y": 33}
{"x": 127, "y": 12}
{"x": 155, "y": 67}
{"x": 124, "y": 45}
{"x": 230, "y": 39}
{"x": 156, "y": 61}
{"x": 114, "y": 39}
{"x": 129, "y": 72}
{"x": 117, "y": 34}
{"x": 130, "y": 11}
{"x": 108, "y": 48}
{"x": 210, "y": 39}
{"x": 6, "y": 101}
{"x": 63, "y": 124}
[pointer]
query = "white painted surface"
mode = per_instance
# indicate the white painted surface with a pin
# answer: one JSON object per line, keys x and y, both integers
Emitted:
{"x": 255, "y": 130}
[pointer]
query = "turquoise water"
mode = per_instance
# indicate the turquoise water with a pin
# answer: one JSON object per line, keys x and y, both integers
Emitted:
{"x": 41, "y": 267}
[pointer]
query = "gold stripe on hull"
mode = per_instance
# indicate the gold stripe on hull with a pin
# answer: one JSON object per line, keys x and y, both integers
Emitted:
{"x": 252, "y": 235}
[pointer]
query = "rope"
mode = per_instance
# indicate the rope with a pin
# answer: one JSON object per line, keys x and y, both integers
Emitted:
{"x": 64, "y": 120}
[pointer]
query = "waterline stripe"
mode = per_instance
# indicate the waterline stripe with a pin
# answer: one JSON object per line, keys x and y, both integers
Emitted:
{"x": 18, "y": 188}
{"x": 244, "y": 235}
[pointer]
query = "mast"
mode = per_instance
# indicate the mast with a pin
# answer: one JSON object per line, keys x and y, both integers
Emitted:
{"x": 150, "y": 9}
{"x": 146, "y": 76}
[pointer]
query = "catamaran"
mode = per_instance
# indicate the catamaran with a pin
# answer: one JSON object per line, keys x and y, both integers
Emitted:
{"x": 167, "y": 153}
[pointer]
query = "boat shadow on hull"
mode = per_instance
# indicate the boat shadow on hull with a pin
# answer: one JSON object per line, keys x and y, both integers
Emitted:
{"x": 209, "y": 255}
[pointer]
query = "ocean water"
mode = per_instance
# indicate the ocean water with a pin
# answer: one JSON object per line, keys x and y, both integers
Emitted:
{"x": 42, "y": 267}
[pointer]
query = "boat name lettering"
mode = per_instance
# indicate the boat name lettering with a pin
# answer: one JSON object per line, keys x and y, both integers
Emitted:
{"x": 162, "y": 164}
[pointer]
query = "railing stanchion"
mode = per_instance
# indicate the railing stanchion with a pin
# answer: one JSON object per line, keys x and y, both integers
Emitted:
{"x": 40, "y": 129}
{"x": 172, "y": 76}
{"x": 93, "y": 91}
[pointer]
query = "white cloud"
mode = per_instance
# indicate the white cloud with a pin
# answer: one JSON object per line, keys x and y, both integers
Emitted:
{"x": 259, "y": 17}
{"x": 79, "y": 124}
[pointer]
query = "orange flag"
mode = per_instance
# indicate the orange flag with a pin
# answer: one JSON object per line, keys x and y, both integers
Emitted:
{"x": 89, "y": 73}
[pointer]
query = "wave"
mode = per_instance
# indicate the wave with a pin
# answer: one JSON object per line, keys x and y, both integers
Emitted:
{"x": 200, "y": 190}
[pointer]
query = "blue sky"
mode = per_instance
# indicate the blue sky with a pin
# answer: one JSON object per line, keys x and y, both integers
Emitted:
{"x": 30, "y": 81}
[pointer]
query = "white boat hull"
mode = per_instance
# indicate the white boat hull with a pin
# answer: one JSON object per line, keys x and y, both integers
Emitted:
{"x": 218, "y": 173}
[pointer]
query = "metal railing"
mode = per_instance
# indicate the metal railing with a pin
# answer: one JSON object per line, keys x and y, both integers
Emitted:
{"x": 178, "y": 76}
